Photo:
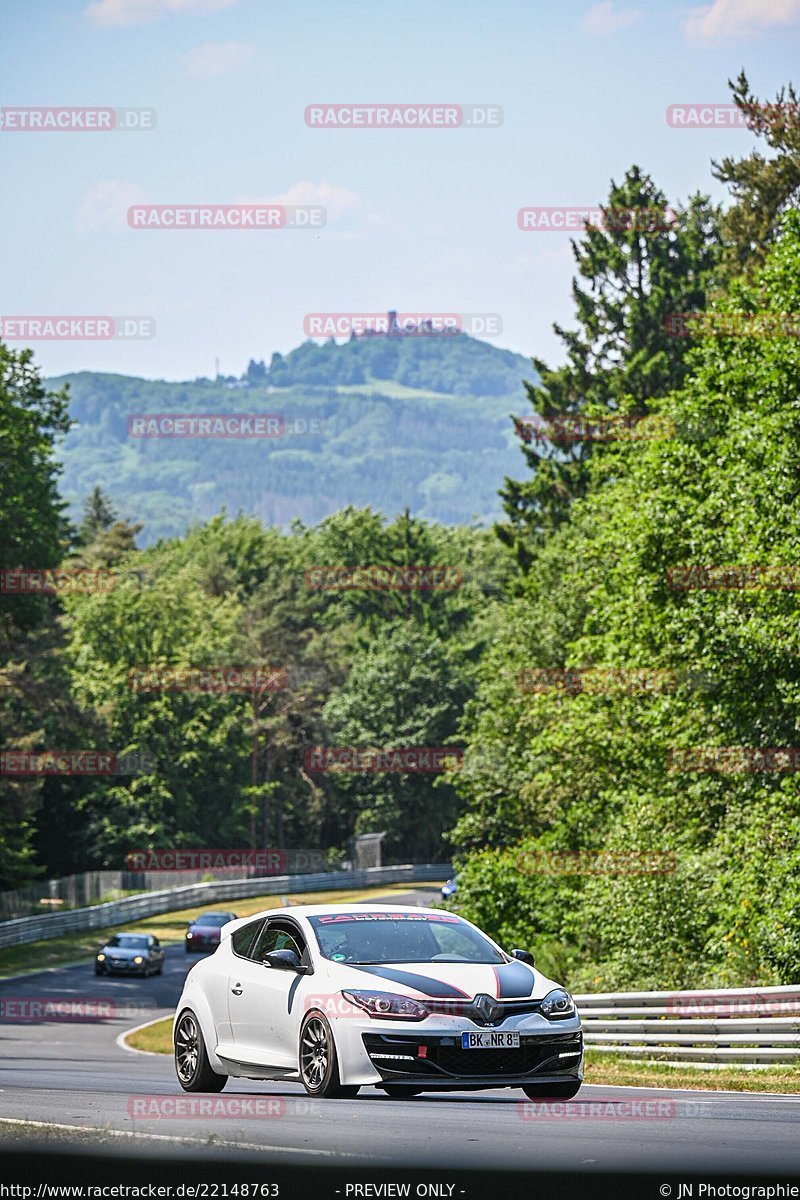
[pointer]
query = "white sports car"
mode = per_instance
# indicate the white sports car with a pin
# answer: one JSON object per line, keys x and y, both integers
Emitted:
{"x": 405, "y": 999}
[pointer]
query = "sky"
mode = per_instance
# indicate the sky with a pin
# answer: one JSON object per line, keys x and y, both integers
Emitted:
{"x": 422, "y": 220}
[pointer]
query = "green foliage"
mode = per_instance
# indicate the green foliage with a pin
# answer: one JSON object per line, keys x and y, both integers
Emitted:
{"x": 33, "y": 533}
{"x": 229, "y": 768}
{"x": 591, "y": 771}
{"x": 450, "y": 364}
{"x": 418, "y": 423}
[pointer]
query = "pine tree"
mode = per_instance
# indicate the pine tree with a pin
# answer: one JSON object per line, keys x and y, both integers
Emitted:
{"x": 763, "y": 188}
{"x": 644, "y": 264}
{"x": 98, "y": 515}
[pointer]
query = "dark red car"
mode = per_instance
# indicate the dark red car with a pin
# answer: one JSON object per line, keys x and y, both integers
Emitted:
{"x": 203, "y": 933}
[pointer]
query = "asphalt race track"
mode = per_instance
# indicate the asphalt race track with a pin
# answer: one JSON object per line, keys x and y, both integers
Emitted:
{"x": 74, "y": 1074}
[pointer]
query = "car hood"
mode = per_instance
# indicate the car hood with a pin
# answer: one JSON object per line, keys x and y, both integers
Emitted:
{"x": 122, "y": 952}
{"x": 446, "y": 981}
{"x": 204, "y": 929}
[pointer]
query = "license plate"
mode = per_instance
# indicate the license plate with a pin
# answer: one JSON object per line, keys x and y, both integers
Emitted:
{"x": 487, "y": 1039}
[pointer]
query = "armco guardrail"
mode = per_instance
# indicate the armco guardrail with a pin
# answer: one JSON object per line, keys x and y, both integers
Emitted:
{"x": 149, "y": 904}
{"x": 738, "y": 1025}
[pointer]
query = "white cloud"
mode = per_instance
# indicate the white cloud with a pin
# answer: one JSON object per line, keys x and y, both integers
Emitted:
{"x": 335, "y": 199}
{"x": 142, "y": 12}
{"x": 105, "y": 206}
{"x": 604, "y": 18}
{"x": 738, "y": 18}
{"x": 213, "y": 59}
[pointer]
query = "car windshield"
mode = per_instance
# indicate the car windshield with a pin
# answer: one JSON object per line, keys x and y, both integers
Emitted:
{"x": 401, "y": 938}
{"x": 129, "y": 941}
{"x": 213, "y": 919}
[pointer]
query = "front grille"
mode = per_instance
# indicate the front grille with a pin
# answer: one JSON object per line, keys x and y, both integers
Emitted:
{"x": 467, "y": 1008}
{"x": 444, "y": 1057}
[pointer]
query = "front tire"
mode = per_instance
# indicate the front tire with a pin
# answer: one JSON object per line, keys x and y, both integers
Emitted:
{"x": 318, "y": 1061}
{"x": 552, "y": 1091}
{"x": 192, "y": 1067}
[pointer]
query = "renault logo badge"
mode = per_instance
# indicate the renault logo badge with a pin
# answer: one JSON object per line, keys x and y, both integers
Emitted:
{"x": 488, "y": 1009}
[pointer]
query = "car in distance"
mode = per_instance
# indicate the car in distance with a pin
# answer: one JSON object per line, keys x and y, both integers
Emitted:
{"x": 130, "y": 954}
{"x": 403, "y": 999}
{"x": 203, "y": 932}
{"x": 450, "y": 888}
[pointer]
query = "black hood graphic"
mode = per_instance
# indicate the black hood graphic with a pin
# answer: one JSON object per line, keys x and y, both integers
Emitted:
{"x": 514, "y": 981}
{"x": 423, "y": 983}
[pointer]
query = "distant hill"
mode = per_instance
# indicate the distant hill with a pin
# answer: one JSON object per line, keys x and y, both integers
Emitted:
{"x": 392, "y": 422}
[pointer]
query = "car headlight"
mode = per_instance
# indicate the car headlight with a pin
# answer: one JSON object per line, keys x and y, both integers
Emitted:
{"x": 557, "y": 1003}
{"x": 188, "y": 935}
{"x": 101, "y": 958}
{"x": 387, "y": 1004}
{"x": 138, "y": 959}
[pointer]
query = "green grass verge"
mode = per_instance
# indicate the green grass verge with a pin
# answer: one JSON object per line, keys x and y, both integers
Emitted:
{"x": 168, "y": 927}
{"x": 156, "y": 1038}
{"x": 617, "y": 1070}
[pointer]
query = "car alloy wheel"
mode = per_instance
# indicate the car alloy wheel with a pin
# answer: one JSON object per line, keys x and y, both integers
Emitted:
{"x": 319, "y": 1066}
{"x": 195, "y": 1073}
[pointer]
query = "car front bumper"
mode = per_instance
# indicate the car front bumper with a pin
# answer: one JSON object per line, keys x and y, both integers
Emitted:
{"x": 428, "y": 1055}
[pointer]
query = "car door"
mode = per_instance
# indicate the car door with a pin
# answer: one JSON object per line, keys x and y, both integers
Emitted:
{"x": 260, "y": 1000}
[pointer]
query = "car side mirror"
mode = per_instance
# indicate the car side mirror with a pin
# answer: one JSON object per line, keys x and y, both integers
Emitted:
{"x": 284, "y": 960}
{"x": 523, "y": 956}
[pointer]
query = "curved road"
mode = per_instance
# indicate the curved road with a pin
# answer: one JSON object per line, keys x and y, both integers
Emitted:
{"x": 74, "y": 1074}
